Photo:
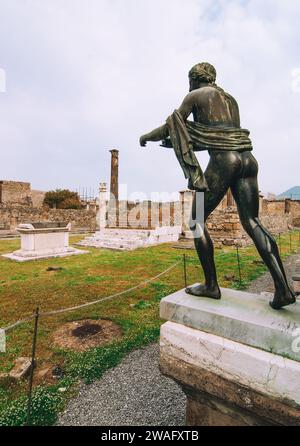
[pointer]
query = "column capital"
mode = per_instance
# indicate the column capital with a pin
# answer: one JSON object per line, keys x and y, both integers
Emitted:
{"x": 103, "y": 187}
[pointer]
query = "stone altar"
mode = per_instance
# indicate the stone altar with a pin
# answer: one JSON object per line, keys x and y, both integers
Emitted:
{"x": 43, "y": 240}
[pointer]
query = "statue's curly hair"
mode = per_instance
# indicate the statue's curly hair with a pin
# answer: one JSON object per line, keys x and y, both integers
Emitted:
{"x": 204, "y": 72}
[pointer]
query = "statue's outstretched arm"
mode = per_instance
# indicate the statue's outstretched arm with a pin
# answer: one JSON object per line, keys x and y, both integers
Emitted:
{"x": 156, "y": 135}
{"x": 162, "y": 133}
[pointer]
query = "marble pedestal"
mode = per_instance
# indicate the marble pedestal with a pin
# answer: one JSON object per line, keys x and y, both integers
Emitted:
{"x": 237, "y": 360}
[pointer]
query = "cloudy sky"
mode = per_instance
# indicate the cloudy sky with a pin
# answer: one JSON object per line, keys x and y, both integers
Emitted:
{"x": 85, "y": 76}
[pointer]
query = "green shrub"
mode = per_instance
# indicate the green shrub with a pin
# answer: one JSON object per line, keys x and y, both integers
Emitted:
{"x": 62, "y": 199}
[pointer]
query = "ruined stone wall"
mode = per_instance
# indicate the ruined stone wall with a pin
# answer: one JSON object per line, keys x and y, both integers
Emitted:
{"x": 143, "y": 215}
{"x": 224, "y": 224}
{"x": 37, "y": 197}
{"x": 277, "y": 224}
{"x": 293, "y": 207}
{"x": 15, "y": 193}
{"x": 225, "y": 227}
{"x": 273, "y": 207}
{"x": 11, "y": 216}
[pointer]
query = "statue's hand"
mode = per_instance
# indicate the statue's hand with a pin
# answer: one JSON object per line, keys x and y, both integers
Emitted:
{"x": 143, "y": 141}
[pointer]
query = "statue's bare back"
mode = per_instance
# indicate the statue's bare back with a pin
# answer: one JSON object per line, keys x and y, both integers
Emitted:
{"x": 212, "y": 106}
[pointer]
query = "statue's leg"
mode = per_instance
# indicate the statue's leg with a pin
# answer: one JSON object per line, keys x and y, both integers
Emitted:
{"x": 245, "y": 192}
{"x": 219, "y": 175}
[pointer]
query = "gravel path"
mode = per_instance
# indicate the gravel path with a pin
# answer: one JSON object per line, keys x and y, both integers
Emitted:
{"x": 265, "y": 282}
{"x": 132, "y": 394}
{"x": 135, "y": 393}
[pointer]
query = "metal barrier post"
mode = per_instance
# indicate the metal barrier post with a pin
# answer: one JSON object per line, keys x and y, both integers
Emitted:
{"x": 239, "y": 263}
{"x": 184, "y": 269}
{"x": 29, "y": 404}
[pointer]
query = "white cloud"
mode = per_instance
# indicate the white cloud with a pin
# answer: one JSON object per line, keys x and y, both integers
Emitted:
{"x": 2, "y": 81}
{"x": 88, "y": 76}
{"x": 295, "y": 83}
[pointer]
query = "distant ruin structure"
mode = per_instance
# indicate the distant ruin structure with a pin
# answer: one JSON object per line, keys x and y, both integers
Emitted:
{"x": 21, "y": 204}
{"x": 15, "y": 192}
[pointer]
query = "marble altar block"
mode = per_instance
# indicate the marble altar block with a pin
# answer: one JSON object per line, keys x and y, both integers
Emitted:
{"x": 43, "y": 240}
{"x": 237, "y": 360}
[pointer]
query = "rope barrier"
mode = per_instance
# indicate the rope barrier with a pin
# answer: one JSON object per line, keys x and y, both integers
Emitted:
{"x": 88, "y": 304}
{"x": 19, "y": 322}
{"x": 103, "y": 299}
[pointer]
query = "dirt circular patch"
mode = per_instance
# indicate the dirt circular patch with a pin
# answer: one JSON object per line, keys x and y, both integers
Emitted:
{"x": 86, "y": 330}
{"x": 86, "y": 334}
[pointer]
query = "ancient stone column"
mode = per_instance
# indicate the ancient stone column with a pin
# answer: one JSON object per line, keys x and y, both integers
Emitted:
{"x": 230, "y": 200}
{"x": 154, "y": 214}
{"x": 114, "y": 176}
{"x": 102, "y": 206}
{"x": 186, "y": 200}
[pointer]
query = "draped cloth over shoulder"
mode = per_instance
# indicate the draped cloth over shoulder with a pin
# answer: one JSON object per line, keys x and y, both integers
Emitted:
{"x": 183, "y": 147}
{"x": 188, "y": 137}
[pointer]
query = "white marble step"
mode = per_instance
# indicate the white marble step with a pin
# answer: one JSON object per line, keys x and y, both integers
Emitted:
{"x": 116, "y": 246}
{"x": 119, "y": 237}
{"x": 126, "y": 232}
{"x": 111, "y": 243}
{"x": 128, "y": 239}
{"x": 116, "y": 239}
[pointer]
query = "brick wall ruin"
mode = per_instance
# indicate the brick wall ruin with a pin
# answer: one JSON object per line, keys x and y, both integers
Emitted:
{"x": 143, "y": 215}
{"x": 20, "y": 204}
{"x": 11, "y": 216}
{"x": 293, "y": 208}
{"x": 226, "y": 229}
{"x": 15, "y": 192}
{"x": 37, "y": 197}
{"x": 20, "y": 193}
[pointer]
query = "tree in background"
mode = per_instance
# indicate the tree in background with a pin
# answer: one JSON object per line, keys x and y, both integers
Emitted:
{"x": 62, "y": 199}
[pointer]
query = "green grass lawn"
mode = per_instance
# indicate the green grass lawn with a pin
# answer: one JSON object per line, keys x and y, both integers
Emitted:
{"x": 24, "y": 286}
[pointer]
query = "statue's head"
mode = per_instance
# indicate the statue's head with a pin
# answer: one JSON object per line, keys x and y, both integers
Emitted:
{"x": 201, "y": 73}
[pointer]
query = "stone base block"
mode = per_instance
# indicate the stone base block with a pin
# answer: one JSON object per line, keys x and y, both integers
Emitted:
{"x": 246, "y": 318}
{"x": 228, "y": 383}
{"x": 26, "y": 256}
{"x": 129, "y": 239}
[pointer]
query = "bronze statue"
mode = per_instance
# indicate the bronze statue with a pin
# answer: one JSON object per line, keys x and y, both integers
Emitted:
{"x": 216, "y": 128}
